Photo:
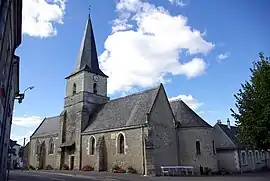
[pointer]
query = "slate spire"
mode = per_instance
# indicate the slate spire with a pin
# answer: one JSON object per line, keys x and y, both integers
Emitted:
{"x": 88, "y": 58}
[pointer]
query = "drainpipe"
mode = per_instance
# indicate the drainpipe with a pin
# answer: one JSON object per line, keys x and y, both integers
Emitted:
{"x": 177, "y": 144}
{"x": 143, "y": 149}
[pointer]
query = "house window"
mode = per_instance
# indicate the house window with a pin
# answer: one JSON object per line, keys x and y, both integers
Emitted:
{"x": 250, "y": 155}
{"x": 262, "y": 155}
{"x": 213, "y": 146}
{"x": 92, "y": 145}
{"x": 121, "y": 144}
{"x": 244, "y": 157}
{"x": 74, "y": 89}
{"x": 95, "y": 88}
{"x": 198, "y": 148}
{"x": 257, "y": 156}
{"x": 51, "y": 146}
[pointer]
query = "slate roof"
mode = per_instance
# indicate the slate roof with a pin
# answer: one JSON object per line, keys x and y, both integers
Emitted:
{"x": 231, "y": 133}
{"x": 125, "y": 111}
{"x": 186, "y": 116}
{"x": 88, "y": 58}
{"x": 49, "y": 126}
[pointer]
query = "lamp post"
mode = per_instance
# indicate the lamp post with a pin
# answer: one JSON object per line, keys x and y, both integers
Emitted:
{"x": 20, "y": 96}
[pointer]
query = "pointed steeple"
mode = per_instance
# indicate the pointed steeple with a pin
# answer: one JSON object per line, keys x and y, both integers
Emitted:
{"x": 88, "y": 58}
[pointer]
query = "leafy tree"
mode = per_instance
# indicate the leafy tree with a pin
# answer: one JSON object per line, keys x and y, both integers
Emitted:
{"x": 253, "y": 104}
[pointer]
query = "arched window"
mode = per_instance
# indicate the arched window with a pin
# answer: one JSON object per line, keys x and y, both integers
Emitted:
{"x": 74, "y": 89}
{"x": 92, "y": 145}
{"x": 37, "y": 147}
{"x": 213, "y": 146}
{"x": 198, "y": 148}
{"x": 121, "y": 144}
{"x": 95, "y": 88}
{"x": 51, "y": 146}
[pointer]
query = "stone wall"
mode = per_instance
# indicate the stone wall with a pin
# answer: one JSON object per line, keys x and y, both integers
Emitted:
{"x": 133, "y": 150}
{"x": 50, "y": 159}
{"x": 162, "y": 133}
{"x": 84, "y": 82}
{"x": 253, "y": 163}
{"x": 227, "y": 160}
{"x": 187, "y": 152}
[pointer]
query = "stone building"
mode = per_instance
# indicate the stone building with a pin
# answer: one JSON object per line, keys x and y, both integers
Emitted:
{"x": 142, "y": 130}
{"x": 232, "y": 155}
{"x": 10, "y": 39}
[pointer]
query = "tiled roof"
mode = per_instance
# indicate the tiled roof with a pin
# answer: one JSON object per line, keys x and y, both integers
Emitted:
{"x": 186, "y": 116}
{"x": 125, "y": 111}
{"x": 49, "y": 126}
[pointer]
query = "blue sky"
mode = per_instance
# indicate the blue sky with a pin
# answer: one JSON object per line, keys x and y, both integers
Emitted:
{"x": 200, "y": 50}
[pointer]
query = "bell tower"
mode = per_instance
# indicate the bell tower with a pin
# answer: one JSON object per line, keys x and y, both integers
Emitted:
{"x": 86, "y": 91}
{"x": 87, "y": 76}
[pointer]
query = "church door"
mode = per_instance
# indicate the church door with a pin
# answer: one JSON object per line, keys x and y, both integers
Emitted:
{"x": 71, "y": 162}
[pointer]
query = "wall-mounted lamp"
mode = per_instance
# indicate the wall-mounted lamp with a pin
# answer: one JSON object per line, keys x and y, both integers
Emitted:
{"x": 20, "y": 96}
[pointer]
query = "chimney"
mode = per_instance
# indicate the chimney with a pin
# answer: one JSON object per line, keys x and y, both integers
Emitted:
{"x": 218, "y": 121}
{"x": 228, "y": 123}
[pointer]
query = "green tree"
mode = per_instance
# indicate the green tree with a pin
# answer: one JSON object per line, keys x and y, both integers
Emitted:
{"x": 253, "y": 104}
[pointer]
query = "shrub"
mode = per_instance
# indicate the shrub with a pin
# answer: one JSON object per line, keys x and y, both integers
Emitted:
{"x": 49, "y": 167}
{"x": 117, "y": 169}
{"x": 31, "y": 167}
{"x": 131, "y": 170}
{"x": 207, "y": 171}
{"x": 87, "y": 168}
{"x": 65, "y": 167}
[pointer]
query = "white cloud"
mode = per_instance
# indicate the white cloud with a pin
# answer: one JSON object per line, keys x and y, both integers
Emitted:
{"x": 41, "y": 16}
{"x": 146, "y": 54}
{"x": 223, "y": 56}
{"x": 189, "y": 100}
{"x": 27, "y": 121}
{"x": 178, "y": 2}
{"x": 20, "y": 138}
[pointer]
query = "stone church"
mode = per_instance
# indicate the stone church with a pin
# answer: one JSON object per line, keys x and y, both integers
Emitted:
{"x": 143, "y": 130}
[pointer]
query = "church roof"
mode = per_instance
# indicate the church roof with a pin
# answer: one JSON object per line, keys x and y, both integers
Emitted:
{"x": 186, "y": 116}
{"x": 49, "y": 126}
{"x": 88, "y": 58}
{"x": 125, "y": 111}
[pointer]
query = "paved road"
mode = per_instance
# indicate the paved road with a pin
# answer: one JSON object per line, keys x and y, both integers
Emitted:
{"x": 37, "y": 176}
{"x": 99, "y": 176}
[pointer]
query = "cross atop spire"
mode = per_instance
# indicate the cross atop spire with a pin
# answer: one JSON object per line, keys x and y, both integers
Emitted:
{"x": 88, "y": 58}
{"x": 89, "y": 8}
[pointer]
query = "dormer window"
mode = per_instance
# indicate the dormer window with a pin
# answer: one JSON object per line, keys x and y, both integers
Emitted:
{"x": 95, "y": 88}
{"x": 74, "y": 89}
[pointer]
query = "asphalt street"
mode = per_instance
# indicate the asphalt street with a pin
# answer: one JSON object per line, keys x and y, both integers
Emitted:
{"x": 18, "y": 175}
{"x": 29, "y": 176}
